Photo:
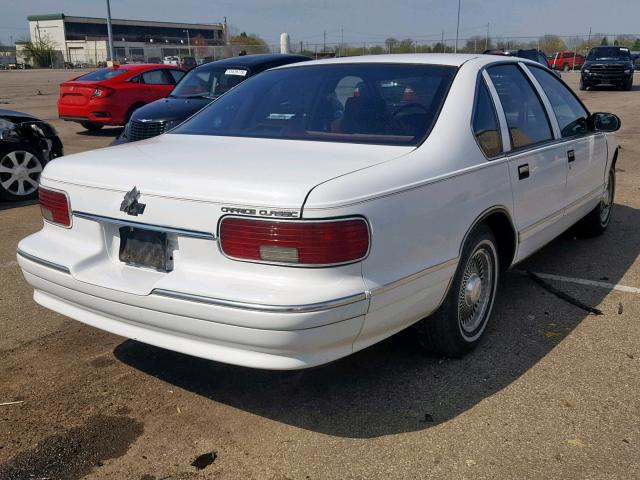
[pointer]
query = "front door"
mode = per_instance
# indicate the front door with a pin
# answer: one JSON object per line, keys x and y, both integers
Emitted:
{"x": 537, "y": 164}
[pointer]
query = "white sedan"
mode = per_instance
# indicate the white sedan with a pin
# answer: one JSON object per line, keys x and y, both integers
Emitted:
{"x": 319, "y": 208}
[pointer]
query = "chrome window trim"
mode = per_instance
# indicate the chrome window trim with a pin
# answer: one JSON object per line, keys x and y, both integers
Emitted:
{"x": 158, "y": 228}
{"x": 44, "y": 263}
{"x": 502, "y": 118}
{"x": 551, "y": 114}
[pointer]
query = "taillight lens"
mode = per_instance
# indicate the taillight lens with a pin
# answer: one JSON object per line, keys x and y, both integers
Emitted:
{"x": 55, "y": 206}
{"x": 313, "y": 243}
{"x": 101, "y": 92}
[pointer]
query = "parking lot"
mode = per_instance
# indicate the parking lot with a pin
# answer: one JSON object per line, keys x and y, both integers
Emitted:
{"x": 551, "y": 393}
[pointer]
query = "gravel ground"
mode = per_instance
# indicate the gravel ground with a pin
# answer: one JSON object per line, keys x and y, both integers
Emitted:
{"x": 551, "y": 393}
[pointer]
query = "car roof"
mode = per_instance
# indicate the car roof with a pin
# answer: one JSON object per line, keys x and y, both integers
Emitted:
{"x": 15, "y": 116}
{"x": 141, "y": 66}
{"x": 250, "y": 61}
{"x": 447, "y": 59}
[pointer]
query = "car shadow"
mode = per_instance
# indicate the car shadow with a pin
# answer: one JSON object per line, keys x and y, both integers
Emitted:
{"x": 105, "y": 132}
{"x": 612, "y": 88}
{"x": 393, "y": 387}
{"x": 6, "y": 205}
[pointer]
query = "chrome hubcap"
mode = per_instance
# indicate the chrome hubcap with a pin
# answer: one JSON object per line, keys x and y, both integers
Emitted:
{"x": 476, "y": 293}
{"x": 19, "y": 172}
{"x": 606, "y": 202}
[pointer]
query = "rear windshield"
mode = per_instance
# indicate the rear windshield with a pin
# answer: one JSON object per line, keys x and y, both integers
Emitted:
{"x": 393, "y": 104}
{"x": 102, "y": 74}
{"x": 609, "y": 53}
{"x": 209, "y": 82}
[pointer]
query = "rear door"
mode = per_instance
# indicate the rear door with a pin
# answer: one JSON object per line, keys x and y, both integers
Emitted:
{"x": 537, "y": 164}
{"x": 157, "y": 84}
{"x": 586, "y": 151}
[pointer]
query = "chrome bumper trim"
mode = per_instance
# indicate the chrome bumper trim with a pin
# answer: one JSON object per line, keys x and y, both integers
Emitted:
{"x": 45, "y": 263}
{"x": 157, "y": 228}
{"x": 311, "y": 307}
{"x": 403, "y": 281}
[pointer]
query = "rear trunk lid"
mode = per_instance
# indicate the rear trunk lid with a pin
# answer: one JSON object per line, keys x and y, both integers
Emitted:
{"x": 76, "y": 92}
{"x": 187, "y": 183}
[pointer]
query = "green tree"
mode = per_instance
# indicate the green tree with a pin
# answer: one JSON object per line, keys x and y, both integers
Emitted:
{"x": 41, "y": 52}
{"x": 391, "y": 44}
{"x": 636, "y": 44}
{"x": 604, "y": 41}
{"x": 552, "y": 43}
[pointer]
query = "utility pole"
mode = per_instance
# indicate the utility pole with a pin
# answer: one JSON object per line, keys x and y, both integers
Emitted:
{"x": 589, "y": 40}
{"x": 442, "y": 42}
{"x": 455, "y": 49}
{"x": 188, "y": 40}
{"x": 341, "y": 41}
{"x": 324, "y": 41}
{"x": 109, "y": 31}
{"x": 486, "y": 40}
{"x": 226, "y": 32}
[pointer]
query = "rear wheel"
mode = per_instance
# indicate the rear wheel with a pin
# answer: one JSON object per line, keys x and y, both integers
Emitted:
{"x": 20, "y": 168}
{"x": 596, "y": 222}
{"x": 92, "y": 126}
{"x": 456, "y": 328}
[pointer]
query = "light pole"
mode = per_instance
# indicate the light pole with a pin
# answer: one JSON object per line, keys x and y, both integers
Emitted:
{"x": 109, "y": 31}
{"x": 188, "y": 40}
{"x": 455, "y": 49}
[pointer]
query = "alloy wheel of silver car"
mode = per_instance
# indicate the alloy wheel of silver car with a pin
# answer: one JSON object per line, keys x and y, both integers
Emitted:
{"x": 477, "y": 290}
{"x": 19, "y": 172}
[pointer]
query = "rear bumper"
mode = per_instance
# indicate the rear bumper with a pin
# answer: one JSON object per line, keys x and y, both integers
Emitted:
{"x": 195, "y": 326}
{"x": 97, "y": 112}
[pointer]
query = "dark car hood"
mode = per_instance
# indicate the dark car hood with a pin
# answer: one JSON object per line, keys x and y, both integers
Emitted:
{"x": 167, "y": 109}
{"x": 17, "y": 117}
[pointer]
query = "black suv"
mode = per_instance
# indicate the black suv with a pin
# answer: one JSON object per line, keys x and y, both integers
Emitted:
{"x": 607, "y": 65}
{"x": 199, "y": 87}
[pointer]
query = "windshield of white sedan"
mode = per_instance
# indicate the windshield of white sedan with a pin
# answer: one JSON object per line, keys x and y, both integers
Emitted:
{"x": 391, "y": 104}
{"x": 209, "y": 83}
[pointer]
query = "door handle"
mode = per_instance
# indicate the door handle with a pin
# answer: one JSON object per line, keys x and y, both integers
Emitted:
{"x": 523, "y": 171}
{"x": 571, "y": 156}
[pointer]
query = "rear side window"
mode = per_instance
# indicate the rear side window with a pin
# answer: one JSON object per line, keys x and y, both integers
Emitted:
{"x": 156, "y": 77}
{"x": 526, "y": 118}
{"x": 485, "y": 122}
{"x": 102, "y": 74}
{"x": 571, "y": 115}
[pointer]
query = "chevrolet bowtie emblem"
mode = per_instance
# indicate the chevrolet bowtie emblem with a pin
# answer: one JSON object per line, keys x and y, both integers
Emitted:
{"x": 130, "y": 204}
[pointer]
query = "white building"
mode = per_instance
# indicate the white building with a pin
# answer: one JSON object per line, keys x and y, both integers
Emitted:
{"x": 84, "y": 40}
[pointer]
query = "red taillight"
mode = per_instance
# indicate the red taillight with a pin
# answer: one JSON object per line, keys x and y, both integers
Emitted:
{"x": 101, "y": 92}
{"x": 303, "y": 242}
{"x": 55, "y": 206}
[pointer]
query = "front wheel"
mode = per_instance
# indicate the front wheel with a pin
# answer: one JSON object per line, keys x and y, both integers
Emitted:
{"x": 457, "y": 327}
{"x": 565, "y": 67}
{"x": 596, "y": 222}
{"x": 628, "y": 85}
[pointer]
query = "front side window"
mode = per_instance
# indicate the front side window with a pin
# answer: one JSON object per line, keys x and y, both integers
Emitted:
{"x": 526, "y": 119}
{"x": 485, "y": 122}
{"x": 394, "y": 104}
{"x": 571, "y": 115}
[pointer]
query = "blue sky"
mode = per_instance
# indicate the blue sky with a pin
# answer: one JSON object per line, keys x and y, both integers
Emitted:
{"x": 361, "y": 20}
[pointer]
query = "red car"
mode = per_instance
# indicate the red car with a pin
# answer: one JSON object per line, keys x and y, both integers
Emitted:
{"x": 566, "y": 61}
{"x": 110, "y": 95}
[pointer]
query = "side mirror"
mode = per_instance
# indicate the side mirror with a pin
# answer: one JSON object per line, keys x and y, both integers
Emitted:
{"x": 603, "y": 122}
